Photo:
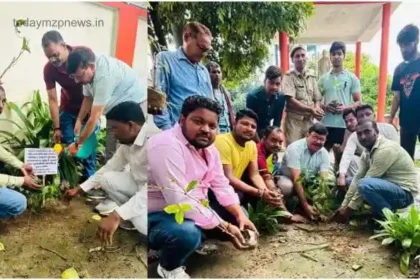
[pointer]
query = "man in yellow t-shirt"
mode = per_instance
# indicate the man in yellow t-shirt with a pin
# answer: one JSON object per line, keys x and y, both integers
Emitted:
{"x": 238, "y": 153}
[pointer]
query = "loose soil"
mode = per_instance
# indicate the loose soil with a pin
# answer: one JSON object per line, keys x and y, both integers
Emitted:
{"x": 349, "y": 246}
{"x": 70, "y": 231}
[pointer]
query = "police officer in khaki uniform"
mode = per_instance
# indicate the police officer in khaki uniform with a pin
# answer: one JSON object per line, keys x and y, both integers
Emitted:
{"x": 302, "y": 98}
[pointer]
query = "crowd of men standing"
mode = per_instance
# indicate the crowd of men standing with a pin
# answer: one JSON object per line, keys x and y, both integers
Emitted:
{"x": 234, "y": 156}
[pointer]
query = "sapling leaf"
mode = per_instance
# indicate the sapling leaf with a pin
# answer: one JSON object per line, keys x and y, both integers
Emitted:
{"x": 1, "y": 247}
{"x": 388, "y": 214}
{"x": 25, "y": 45}
{"x": 205, "y": 203}
{"x": 407, "y": 243}
{"x": 388, "y": 241}
{"x": 414, "y": 215}
{"x": 172, "y": 209}
{"x": 192, "y": 185}
{"x": 379, "y": 235}
{"x": 185, "y": 207}
{"x": 404, "y": 262}
{"x": 179, "y": 217}
{"x": 20, "y": 22}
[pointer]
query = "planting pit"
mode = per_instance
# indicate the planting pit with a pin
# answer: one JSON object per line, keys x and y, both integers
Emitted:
{"x": 350, "y": 255}
{"x": 70, "y": 231}
{"x": 349, "y": 247}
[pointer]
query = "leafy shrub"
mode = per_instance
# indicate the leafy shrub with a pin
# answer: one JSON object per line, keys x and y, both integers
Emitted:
{"x": 265, "y": 217}
{"x": 35, "y": 130}
{"x": 403, "y": 230}
{"x": 322, "y": 193}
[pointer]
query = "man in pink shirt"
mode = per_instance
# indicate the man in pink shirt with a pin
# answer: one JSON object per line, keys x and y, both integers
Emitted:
{"x": 177, "y": 157}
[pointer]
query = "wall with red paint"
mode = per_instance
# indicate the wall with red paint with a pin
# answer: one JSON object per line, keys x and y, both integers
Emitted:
{"x": 120, "y": 34}
{"x": 27, "y": 75}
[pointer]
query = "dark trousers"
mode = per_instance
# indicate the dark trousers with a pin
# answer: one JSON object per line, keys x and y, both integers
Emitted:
{"x": 408, "y": 140}
{"x": 67, "y": 123}
{"x": 177, "y": 242}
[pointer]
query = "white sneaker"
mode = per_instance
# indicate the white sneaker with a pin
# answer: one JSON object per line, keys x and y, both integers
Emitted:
{"x": 177, "y": 273}
{"x": 106, "y": 207}
{"x": 207, "y": 248}
{"x": 127, "y": 225}
{"x": 96, "y": 194}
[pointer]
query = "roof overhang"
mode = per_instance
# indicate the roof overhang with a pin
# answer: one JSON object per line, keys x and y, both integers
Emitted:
{"x": 344, "y": 21}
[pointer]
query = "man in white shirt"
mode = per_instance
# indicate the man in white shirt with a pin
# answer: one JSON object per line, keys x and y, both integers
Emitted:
{"x": 350, "y": 154}
{"x": 127, "y": 190}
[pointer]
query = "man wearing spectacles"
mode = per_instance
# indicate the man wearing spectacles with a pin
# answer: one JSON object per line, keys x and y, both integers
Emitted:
{"x": 106, "y": 82}
{"x": 64, "y": 115}
{"x": 180, "y": 73}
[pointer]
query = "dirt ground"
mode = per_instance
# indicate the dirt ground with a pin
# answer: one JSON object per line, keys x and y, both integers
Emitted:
{"x": 347, "y": 247}
{"x": 70, "y": 231}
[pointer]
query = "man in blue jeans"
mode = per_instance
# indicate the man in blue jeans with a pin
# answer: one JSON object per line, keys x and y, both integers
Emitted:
{"x": 64, "y": 116}
{"x": 387, "y": 177}
{"x": 13, "y": 203}
{"x": 177, "y": 157}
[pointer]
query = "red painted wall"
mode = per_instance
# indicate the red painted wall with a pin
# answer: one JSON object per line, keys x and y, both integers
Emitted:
{"x": 128, "y": 16}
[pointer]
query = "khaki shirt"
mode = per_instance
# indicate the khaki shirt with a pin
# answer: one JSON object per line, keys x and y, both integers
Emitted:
{"x": 302, "y": 87}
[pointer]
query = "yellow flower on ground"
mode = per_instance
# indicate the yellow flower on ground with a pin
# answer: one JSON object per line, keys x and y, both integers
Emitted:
{"x": 58, "y": 148}
{"x": 70, "y": 273}
{"x": 96, "y": 217}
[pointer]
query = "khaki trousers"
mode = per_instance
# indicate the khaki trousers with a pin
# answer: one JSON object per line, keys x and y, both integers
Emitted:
{"x": 296, "y": 127}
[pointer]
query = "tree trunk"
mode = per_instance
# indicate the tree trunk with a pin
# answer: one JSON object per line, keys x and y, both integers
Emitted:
{"x": 177, "y": 30}
{"x": 155, "y": 28}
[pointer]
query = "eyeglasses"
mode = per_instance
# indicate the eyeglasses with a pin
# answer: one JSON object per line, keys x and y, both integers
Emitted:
{"x": 203, "y": 49}
{"x": 74, "y": 76}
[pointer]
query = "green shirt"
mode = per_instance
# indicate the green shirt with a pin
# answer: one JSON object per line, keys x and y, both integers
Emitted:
{"x": 339, "y": 87}
{"x": 6, "y": 180}
{"x": 388, "y": 161}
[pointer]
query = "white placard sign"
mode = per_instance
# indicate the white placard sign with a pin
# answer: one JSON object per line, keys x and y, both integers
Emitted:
{"x": 43, "y": 160}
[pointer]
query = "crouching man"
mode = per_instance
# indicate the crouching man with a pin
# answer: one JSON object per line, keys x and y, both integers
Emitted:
{"x": 239, "y": 156}
{"x": 13, "y": 203}
{"x": 386, "y": 178}
{"x": 127, "y": 191}
{"x": 177, "y": 157}
{"x": 305, "y": 156}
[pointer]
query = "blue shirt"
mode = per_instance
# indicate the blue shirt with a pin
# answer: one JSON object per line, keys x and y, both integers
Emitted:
{"x": 179, "y": 78}
{"x": 298, "y": 156}
{"x": 114, "y": 82}
{"x": 339, "y": 87}
{"x": 224, "y": 123}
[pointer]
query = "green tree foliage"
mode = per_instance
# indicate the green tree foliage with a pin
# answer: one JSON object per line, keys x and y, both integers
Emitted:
{"x": 242, "y": 31}
{"x": 369, "y": 80}
{"x": 239, "y": 93}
